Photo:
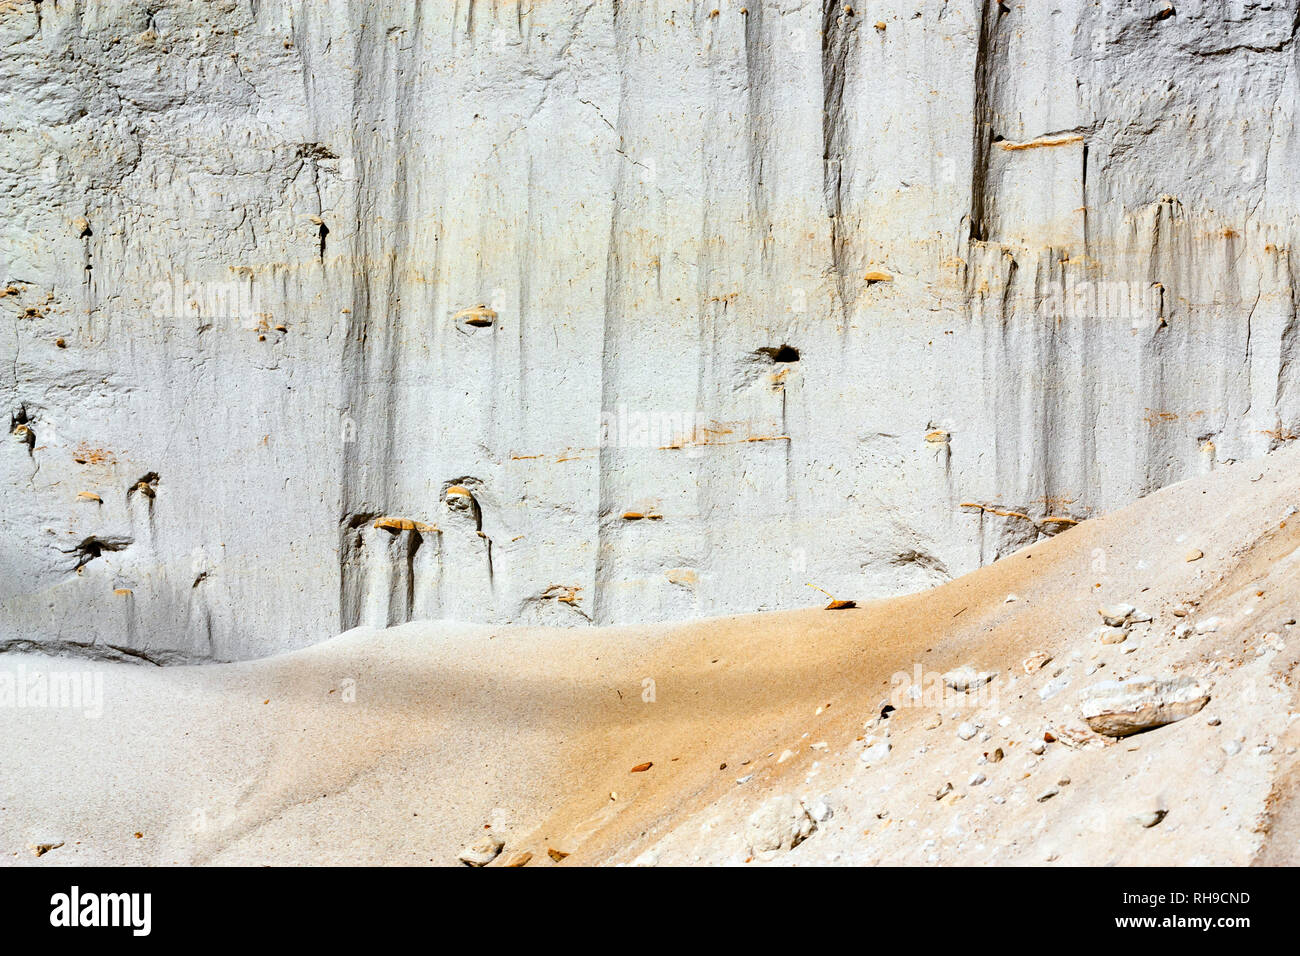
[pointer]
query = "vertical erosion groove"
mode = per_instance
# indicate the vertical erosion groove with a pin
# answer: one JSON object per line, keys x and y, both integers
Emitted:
{"x": 609, "y": 333}
{"x": 834, "y": 34}
{"x": 383, "y": 94}
{"x": 985, "y": 115}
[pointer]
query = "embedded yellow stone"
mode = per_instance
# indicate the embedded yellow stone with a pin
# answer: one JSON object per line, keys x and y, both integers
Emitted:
{"x": 477, "y": 315}
{"x": 404, "y": 524}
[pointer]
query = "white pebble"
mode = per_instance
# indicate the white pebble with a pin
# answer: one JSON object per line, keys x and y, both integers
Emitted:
{"x": 875, "y": 753}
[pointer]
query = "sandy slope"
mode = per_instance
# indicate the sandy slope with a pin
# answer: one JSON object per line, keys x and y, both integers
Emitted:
{"x": 535, "y": 731}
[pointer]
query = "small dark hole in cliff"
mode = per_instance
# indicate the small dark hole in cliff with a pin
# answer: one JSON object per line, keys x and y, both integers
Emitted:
{"x": 147, "y": 486}
{"x": 786, "y": 353}
{"x": 316, "y": 151}
{"x": 94, "y": 547}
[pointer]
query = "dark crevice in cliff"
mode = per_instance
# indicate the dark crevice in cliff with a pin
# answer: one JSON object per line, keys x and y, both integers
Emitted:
{"x": 758, "y": 125}
{"x": 989, "y": 63}
{"x": 607, "y": 465}
{"x": 837, "y": 31}
{"x": 104, "y": 653}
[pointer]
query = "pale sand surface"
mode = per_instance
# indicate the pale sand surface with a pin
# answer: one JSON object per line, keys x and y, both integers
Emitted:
{"x": 536, "y": 730}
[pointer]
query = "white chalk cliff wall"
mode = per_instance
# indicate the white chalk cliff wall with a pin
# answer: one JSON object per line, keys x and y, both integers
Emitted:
{"x": 317, "y": 314}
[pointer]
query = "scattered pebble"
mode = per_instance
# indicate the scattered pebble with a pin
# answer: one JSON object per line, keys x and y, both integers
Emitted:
{"x": 1111, "y": 635}
{"x": 875, "y": 754}
{"x": 483, "y": 852}
{"x": 966, "y": 678}
{"x": 1194, "y": 555}
{"x": 967, "y": 730}
{"x": 1120, "y": 708}
{"x": 1035, "y": 662}
{"x": 1149, "y": 818}
{"x": 820, "y": 810}
{"x": 781, "y": 823}
{"x": 1116, "y": 615}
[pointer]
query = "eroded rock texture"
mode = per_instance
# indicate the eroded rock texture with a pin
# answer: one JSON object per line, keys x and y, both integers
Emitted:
{"x": 360, "y": 312}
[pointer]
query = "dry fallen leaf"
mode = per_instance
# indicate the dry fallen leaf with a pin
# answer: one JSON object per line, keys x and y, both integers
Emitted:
{"x": 556, "y": 855}
{"x": 835, "y": 605}
{"x": 642, "y": 767}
